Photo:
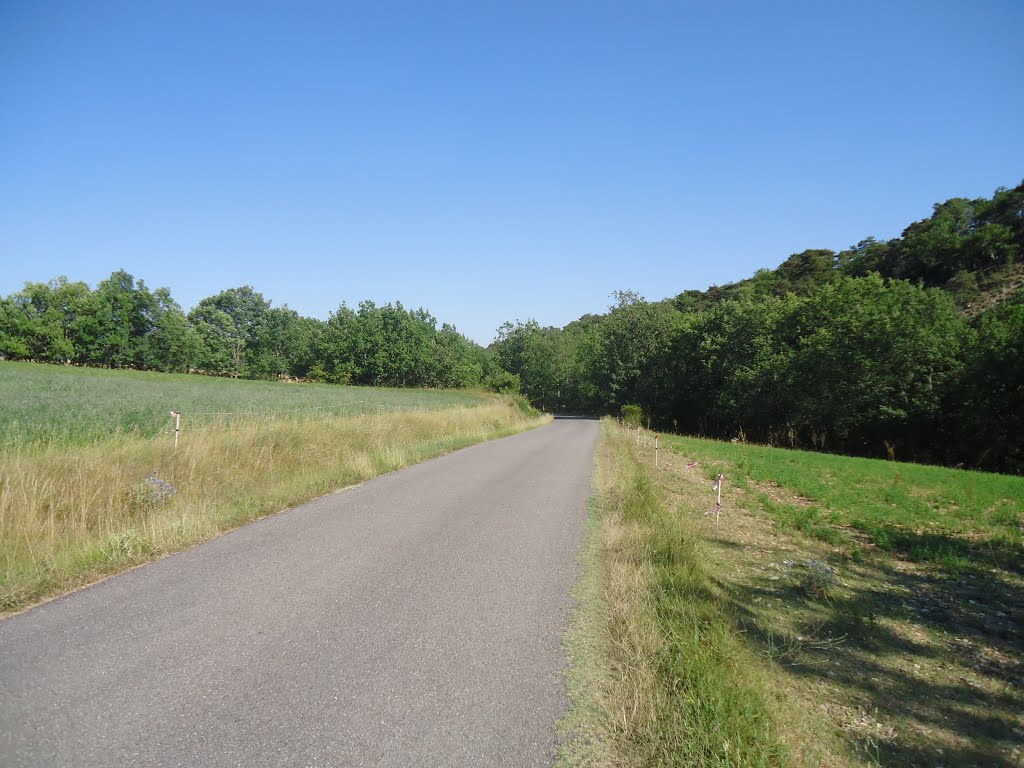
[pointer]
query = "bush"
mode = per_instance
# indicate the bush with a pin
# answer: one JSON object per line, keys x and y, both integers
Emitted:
{"x": 504, "y": 382}
{"x": 633, "y": 415}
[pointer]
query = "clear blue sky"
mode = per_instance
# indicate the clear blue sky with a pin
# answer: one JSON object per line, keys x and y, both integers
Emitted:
{"x": 487, "y": 160}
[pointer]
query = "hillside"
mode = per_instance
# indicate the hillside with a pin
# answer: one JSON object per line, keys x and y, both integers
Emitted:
{"x": 970, "y": 248}
{"x": 908, "y": 348}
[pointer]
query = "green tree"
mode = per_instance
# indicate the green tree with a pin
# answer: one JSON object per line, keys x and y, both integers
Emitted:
{"x": 871, "y": 362}
{"x": 634, "y": 343}
{"x": 986, "y": 407}
{"x": 247, "y": 313}
{"x": 43, "y": 320}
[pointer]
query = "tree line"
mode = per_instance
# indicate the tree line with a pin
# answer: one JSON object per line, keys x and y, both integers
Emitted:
{"x": 912, "y": 348}
{"x": 123, "y": 324}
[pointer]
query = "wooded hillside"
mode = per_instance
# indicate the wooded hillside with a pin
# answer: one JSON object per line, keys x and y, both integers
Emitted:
{"x": 910, "y": 348}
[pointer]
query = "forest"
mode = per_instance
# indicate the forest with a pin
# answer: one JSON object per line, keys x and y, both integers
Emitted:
{"x": 909, "y": 348}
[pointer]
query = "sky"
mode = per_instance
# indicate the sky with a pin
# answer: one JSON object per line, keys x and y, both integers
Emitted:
{"x": 487, "y": 161}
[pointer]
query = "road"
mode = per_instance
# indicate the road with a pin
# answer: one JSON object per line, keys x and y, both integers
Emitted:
{"x": 415, "y": 620}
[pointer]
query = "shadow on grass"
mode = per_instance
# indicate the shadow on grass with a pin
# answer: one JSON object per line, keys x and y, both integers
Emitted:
{"x": 951, "y": 552}
{"x": 975, "y": 613}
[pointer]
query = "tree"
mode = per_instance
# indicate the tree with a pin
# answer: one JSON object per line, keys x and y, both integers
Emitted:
{"x": 634, "y": 343}
{"x": 246, "y": 313}
{"x": 987, "y": 402}
{"x": 870, "y": 363}
{"x": 728, "y": 369}
{"x": 34, "y": 324}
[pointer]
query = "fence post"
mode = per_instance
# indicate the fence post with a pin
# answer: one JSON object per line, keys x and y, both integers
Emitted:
{"x": 177, "y": 426}
{"x": 718, "y": 501}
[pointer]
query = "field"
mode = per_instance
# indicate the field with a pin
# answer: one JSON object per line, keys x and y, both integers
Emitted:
{"x": 84, "y": 495}
{"x": 958, "y": 520}
{"x": 46, "y": 404}
{"x": 835, "y": 612}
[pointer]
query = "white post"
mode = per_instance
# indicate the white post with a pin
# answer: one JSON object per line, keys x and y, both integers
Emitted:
{"x": 638, "y": 434}
{"x": 656, "y": 447}
{"x": 177, "y": 426}
{"x": 718, "y": 503}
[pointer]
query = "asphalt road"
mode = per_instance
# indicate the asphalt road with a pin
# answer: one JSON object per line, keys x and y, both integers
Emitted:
{"x": 413, "y": 621}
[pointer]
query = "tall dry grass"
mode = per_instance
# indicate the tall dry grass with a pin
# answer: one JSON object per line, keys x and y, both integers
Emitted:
{"x": 70, "y": 515}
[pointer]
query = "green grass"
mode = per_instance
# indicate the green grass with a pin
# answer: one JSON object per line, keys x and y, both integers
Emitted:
{"x": 797, "y": 630}
{"x": 52, "y": 404}
{"x": 930, "y": 514}
{"x": 660, "y": 676}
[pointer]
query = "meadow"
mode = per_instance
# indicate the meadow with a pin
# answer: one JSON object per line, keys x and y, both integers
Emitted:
{"x": 56, "y": 404}
{"x": 956, "y": 519}
{"x": 833, "y": 611}
{"x": 78, "y": 504}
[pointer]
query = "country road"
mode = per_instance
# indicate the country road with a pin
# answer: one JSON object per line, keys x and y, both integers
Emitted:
{"x": 415, "y": 620}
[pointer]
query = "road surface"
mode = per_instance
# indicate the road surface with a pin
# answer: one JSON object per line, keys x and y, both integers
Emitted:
{"x": 415, "y": 620}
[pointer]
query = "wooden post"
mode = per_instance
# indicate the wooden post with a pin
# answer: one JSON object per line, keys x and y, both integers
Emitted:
{"x": 177, "y": 426}
{"x": 638, "y": 434}
{"x": 718, "y": 502}
{"x": 656, "y": 447}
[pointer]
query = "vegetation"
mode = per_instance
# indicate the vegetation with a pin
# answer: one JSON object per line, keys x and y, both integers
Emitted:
{"x": 886, "y": 349}
{"x": 123, "y": 324}
{"x": 909, "y": 347}
{"x": 45, "y": 404}
{"x": 956, "y": 519}
{"x": 80, "y": 506}
{"x": 883, "y": 594}
{"x": 794, "y": 627}
{"x": 660, "y": 677}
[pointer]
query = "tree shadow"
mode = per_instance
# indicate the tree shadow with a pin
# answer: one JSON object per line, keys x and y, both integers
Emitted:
{"x": 873, "y": 637}
{"x": 952, "y": 552}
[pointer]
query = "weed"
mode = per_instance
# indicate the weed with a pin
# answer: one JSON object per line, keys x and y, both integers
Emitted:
{"x": 674, "y": 685}
{"x": 813, "y": 577}
{"x": 152, "y": 492}
{"x": 126, "y": 545}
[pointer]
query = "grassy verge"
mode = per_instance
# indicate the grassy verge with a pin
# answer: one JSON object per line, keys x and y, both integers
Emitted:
{"x": 660, "y": 674}
{"x": 864, "y": 613}
{"x": 71, "y": 514}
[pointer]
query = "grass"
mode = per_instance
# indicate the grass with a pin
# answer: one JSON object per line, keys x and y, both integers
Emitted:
{"x": 81, "y": 507}
{"x": 801, "y": 627}
{"x": 878, "y": 603}
{"x": 957, "y": 519}
{"x": 54, "y": 404}
{"x": 659, "y": 675}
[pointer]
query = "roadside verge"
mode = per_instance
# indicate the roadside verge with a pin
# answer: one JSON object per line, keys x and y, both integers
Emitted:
{"x": 70, "y": 516}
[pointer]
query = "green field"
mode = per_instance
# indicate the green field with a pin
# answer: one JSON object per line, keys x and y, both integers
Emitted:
{"x": 955, "y": 518}
{"x": 53, "y": 404}
{"x": 836, "y": 611}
